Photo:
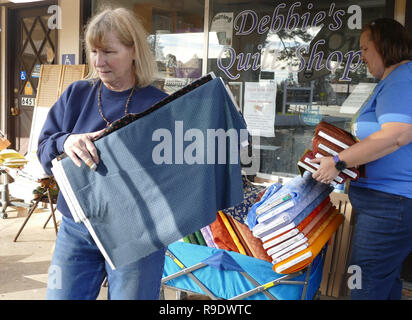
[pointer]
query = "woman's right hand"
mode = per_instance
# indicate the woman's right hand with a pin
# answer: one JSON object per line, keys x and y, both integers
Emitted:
{"x": 80, "y": 147}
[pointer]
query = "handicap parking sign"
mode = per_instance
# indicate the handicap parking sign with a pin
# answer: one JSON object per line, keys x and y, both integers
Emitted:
{"x": 23, "y": 75}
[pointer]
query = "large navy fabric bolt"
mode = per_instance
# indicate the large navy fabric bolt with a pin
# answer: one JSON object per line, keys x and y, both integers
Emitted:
{"x": 134, "y": 206}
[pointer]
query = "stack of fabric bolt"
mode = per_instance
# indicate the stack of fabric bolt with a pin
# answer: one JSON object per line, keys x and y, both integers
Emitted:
{"x": 329, "y": 140}
{"x": 229, "y": 231}
{"x": 294, "y": 222}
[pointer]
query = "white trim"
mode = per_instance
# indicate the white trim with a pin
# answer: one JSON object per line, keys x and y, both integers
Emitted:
{"x": 333, "y": 140}
{"x": 278, "y": 232}
{"x": 292, "y": 262}
{"x": 290, "y": 247}
{"x": 290, "y": 253}
{"x": 67, "y": 191}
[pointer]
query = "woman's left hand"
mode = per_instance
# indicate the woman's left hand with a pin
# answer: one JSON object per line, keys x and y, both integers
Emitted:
{"x": 326, "y": 171}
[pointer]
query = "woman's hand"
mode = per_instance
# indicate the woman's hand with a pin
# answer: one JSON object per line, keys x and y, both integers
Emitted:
{"x": 80, "y": 147}
{"x": 326, "y": 171}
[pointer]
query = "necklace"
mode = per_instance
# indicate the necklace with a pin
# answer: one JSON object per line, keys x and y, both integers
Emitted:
{"x": 99, "y": 103}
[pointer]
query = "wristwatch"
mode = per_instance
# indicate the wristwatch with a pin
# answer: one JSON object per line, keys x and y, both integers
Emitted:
{"x": 339, "y": 164}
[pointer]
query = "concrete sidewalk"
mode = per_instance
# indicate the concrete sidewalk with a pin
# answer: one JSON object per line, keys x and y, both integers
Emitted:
{"x": 24, "y": 264}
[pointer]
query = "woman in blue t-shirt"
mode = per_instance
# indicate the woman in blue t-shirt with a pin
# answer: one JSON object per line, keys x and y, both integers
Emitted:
{"x": 121, "y": 69}
{"x": 382, "y": 200}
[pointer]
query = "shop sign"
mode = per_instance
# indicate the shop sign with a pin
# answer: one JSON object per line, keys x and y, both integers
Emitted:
{"x": 36, "y": 71}
{"x": 248, "y": 21}
{"x": 222, "y": 24}
{"x": 311, "y": 118}
{"x": 28, "y": 90}
{"x": 23, "y": 75}
{"x": 68, "y": 58}
{"x": 260, "y": 107}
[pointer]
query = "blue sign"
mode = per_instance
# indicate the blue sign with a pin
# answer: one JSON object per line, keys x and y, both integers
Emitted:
{"x": 311, "y": 118}
{"x": 23, "y": 75}
{"x": 36, "y": 71}
{"x": 68, "y": 59}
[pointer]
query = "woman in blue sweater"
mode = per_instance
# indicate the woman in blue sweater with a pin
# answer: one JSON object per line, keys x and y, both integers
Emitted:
{"x": 121, "y": 68}
{"x": 383, "y": 199}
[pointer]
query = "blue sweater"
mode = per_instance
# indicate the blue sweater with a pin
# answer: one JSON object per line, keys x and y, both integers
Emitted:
{"x": 76, "y": 111}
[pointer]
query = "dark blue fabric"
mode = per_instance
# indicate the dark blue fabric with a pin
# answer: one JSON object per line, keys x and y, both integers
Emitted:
{"x": 381, "y": 242}
{"x": 76, "y": 111}
{"x": 223, "y": 261}
{"x": 251, "y": 193}
{"x": 137, "y": 206}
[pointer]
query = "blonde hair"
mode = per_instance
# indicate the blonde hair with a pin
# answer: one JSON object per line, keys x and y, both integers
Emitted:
{"x": 130, "y": 32}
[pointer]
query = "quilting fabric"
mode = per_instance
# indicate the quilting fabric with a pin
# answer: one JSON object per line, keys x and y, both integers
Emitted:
{"x": 305, "y": 164}
{"x": 240, "y": 236}
{"x": 309, "y": 194}
{"x": 310, "y": 219}
{"x": 302, "y": 259}
{"x": 134, "y": 205}
{"x": 330, "y": 140}
{"x": 252, "y": 244}
{"x": 297, "y": 220}
{"x": 232, "y": 233}
{"x": 221, "y": 235}
{"x": 325, "y": 147}
{"x": 335, "y": 132}
{"x": 208, "y": 236}
{"x": 307, "y": 236}
{"x": 199, "y": 238}
{"x": 251, "y": 195}
{"x": 129, "y": 118}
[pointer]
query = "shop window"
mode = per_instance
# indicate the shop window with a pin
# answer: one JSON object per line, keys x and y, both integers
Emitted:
{"x": 175, "y": 31}
{"x": 291, "y": 65}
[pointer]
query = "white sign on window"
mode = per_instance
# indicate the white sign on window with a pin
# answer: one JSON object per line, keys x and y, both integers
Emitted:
{"x": 260, "y": 107}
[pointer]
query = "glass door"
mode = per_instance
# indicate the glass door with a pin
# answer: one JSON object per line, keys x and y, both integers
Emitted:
{"x": 32, "y": 42}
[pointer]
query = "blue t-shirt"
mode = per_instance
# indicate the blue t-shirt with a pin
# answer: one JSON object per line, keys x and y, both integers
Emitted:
{"x": 391, "y": 101}
{"x": 76, "y": 111}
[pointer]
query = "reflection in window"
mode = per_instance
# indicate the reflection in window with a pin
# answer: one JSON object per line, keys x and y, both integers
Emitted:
{"x": 315, "y": 69}
{"x": 175, "y": 31}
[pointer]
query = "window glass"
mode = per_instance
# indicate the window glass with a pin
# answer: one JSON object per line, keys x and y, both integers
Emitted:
{"x": 175, "y": 31}
{"x": 291, "y": 64}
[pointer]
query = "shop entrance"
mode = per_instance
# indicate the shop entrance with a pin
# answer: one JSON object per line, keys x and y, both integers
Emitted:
{"x": 32, "y": 41}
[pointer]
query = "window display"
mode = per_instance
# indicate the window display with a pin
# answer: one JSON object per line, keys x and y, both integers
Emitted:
{"x": 304, "y": 53}
{"x": 308, "y": 51}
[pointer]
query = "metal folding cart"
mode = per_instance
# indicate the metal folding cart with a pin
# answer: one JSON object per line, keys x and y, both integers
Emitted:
{"x": 221, "y": 274}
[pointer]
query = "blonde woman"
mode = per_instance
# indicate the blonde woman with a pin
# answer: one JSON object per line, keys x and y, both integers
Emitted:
{"x": 121, "y": 69}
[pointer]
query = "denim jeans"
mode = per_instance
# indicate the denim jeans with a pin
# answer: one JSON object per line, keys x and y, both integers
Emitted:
{"x": 382, "y": 240}
{"x": 78, "y": 269}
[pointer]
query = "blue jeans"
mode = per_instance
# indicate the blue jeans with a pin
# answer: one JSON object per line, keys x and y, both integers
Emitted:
{"x": 78, "y": 269}
{"x": 382, "y": 240}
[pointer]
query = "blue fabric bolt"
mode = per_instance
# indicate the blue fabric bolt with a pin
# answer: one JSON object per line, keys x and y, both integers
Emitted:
{"x": 309, "y": 194}
{"x": 136, "y": 206}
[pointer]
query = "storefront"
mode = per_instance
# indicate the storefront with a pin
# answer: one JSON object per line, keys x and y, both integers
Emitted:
{"x": 289, "y": 64}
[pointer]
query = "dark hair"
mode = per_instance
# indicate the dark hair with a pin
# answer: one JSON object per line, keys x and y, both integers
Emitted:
{"x": 391, "y": 39}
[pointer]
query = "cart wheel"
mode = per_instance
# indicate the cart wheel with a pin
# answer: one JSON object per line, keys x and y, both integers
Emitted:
{"x": 3, "y": 215}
